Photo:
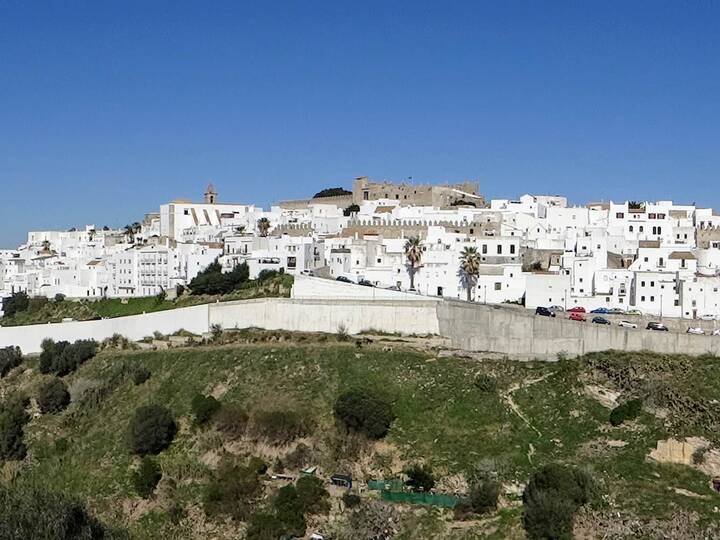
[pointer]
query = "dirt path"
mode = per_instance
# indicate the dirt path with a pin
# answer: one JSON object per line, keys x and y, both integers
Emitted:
{"x": 507, "y": 396}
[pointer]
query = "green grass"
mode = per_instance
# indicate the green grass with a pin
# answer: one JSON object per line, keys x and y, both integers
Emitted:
{"x": 442, "y": 419}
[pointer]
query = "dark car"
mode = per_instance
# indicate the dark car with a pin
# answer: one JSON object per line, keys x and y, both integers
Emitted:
{"x": 660, "y": 327}
{"x": 343, "y": 279}
{"x": 365, "y": 283}
{"x": 601, "y": 311}
{"x": 545, "y": 312}
{"x": 600, "y": 320}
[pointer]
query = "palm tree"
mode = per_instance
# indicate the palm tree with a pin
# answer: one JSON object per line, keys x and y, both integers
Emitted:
{"x": 469, "y": 269}
{"x": 263, "y": 226}
{"x": 413, "y": 252}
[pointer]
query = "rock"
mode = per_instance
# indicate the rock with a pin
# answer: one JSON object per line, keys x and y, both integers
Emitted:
{"x": 606, "y": 397}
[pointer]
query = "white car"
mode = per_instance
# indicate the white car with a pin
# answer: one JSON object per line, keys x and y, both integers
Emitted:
{"x": 716, "y": 332}
{"x": 696, "y": 331}
{"x": 627, "y": 324}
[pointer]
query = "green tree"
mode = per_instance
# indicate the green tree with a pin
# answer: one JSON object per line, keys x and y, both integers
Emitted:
{"x": 15, "y": 304}
{"x": 10, "y": 358}
{"x": 365, "y": 412}
{"x": 151, "y": 430}
{"x": 203, "y": 408}
{"x": 53, "y": 396}
{"x": 420, "y": 478}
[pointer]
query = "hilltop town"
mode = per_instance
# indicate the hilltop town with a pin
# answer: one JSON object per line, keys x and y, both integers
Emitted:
{"x": 655, "y": 258}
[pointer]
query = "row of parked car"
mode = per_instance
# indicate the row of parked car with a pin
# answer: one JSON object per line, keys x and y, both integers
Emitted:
{"x": 578, "y": 314}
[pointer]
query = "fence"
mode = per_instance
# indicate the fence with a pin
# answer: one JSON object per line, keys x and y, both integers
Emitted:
{"x": 444, "y": 501}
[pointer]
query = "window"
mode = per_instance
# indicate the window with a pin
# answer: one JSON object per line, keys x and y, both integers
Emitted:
{"x": 620, "y": 215}
{"x": 642, "y": 283}
{"x": 652, "y": 298}
{"x": 512, "y": 249}
{"x": 499, "y": 249}
{"x": 484, "y": 249}
{"x": 498, "y": 286}
{"x": 631, "y": 228}
{"x": 652, "y": 283}
{"x": 642, "y": 228}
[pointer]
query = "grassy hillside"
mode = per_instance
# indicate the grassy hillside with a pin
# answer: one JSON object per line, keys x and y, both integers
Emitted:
{"x": 455, "y": 415}
{"x": 42, "y": 310}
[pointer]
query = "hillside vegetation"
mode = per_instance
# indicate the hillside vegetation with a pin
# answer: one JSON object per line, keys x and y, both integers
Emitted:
{"x": 252, "y": 404}
{"x": 43, "y": 310}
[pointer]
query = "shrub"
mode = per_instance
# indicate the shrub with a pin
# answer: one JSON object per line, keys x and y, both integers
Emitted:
{"x": 10, "y": 357}
{"x": 351, "y": 500}
{"x": 551, "y": 498}
{"x": 12, "y": 423}
{"x": 420, "y": 478}
{"x": 365, "y": 412}
{"x": 312, "y": 495}
{"x": 151, "y": 430}
{"x": 203, "y": 408}
{"x": 289, "y": 512}
{"x": 233, "y": 491}
{"x": 53, "y": 396}
{"x": 484, "y": 496}
{"x": 266, "y": 274}
{"x": 279, "y": 426}
{"x": 59, "y": 297}
{"x": 16, "y": 303}
{"x": 264, "y": 525}
{"x": 31, "y": 512}
{"x": 62, "y": 357}
{"x": 140, "y": 374}
{"x": 625, "y": 411}
{"x": 485, "y": 383}
{"x": 146, "y": 477}
{"x": 231, "y": 419}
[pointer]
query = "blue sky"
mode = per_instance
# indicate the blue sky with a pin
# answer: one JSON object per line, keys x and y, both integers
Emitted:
{"x": 108, "y": 109}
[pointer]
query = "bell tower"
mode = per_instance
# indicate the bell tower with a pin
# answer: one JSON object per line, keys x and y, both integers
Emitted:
{"x": 210, "y": 194}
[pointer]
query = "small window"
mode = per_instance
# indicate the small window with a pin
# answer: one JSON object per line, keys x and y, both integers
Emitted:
{"x": 498, "y": 286}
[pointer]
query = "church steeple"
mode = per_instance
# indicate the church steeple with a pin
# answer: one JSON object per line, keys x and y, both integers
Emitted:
{"x": 210, "y": 194}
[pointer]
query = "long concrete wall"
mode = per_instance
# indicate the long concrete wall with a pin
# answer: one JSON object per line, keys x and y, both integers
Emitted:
{"x": 522, "y": 335}
{"x": 474, "y": 327}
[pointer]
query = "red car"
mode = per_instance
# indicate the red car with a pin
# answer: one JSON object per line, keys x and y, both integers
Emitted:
{"x": 576, "y": 317}
{"x": 577, "y": 309}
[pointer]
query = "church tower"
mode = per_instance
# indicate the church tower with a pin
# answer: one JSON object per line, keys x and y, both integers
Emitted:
{"x": 210, "y": 194}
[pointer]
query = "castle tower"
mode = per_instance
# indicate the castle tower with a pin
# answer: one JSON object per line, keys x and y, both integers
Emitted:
{"x": 210, "y": 194}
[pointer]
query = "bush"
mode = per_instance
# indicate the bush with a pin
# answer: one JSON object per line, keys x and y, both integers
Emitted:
{"x": 62, "y": 358}
{"x": 151, "y": 430}
{"x": 420, "y": 478}
{"x": 146, "y": 477}
{"x": 312, "y": 495}
{"x": 234, "y": 491}
{"x": 279, "y": 426}
{"x": 53, "y": 396}
{"x": 10, "y": 357}
{"x": 16, "y": 303}
{"x": 203, "y": 408}
{"x": 29, "y": 511}
{"x": 484, "y": 496}
{"x": 485, "y": 383}
{"x": 625, "y": 411}
{"x": 551, "y": 498}
{"x": 332, "y": 192}
{"x": 213, "y": 281}
{"x": 365, "y": 412}
{"x": 12, "y": 423}
{"x": 140, "y": 375}
{"x": 266, "y": 274}
{"x": 351, "y": 500}
{"x": 59, "y": 297}
{"x": 231, "y": 419}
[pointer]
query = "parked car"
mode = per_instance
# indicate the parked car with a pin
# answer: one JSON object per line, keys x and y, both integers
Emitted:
{"x": 557, "y": 308}
{"x": 716, "y": 332}
{"x": 696, "y": 331}
{"x": 575, "y": 316}
{"x": 710, "y": 317}
{"x": 365, "y": 283}
{"x": 577, "y": 309}
{"x": 627, "y": 324}
{"x": 600, "y": 320}
{"x": 634, "y": 312}
{"x": 601, "y": 311}
{"x": 616, "y": 311}
{"x": 660, "y": 327}
{"x": 343, "y": 279}
{"x": 543, "y": 311}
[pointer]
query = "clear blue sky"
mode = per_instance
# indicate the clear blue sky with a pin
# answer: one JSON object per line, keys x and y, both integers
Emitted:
{"x": 108, "y": 109}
